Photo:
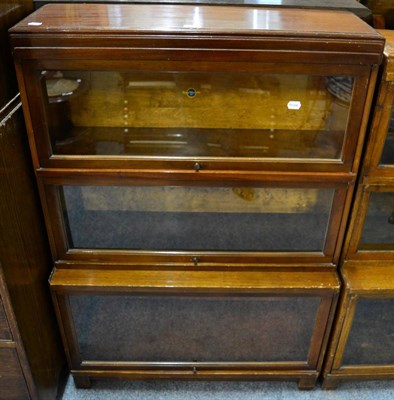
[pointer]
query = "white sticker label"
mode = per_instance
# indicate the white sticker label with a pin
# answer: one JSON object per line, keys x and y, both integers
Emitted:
{"x": 294, "y": 105}
{"x": 34, "y": 23}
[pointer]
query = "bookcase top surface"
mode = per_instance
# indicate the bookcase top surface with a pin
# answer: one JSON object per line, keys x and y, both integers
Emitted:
{"x": 191, "y": 19}
{"x": 350, "y": 5}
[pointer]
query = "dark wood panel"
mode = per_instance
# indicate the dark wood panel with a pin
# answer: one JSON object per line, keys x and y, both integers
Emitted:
{"x": 14, "y": 342}
{"x": 25, "y": 255}
{"x": 11, "y": 11}
{"x": 12, "y": 382}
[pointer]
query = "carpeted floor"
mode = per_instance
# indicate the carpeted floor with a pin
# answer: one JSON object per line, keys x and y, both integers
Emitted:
{"x": 180, "y": 390}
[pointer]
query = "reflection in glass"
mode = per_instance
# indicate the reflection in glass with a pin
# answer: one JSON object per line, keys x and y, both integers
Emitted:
{"x": 371, "y": 339}
{"x": 378, "y": 230}
{"x": 187, "y": 328}
{"x": 188, "y": 114}
{"x": 197, "y": 218}
{"x": 388, "y": 149}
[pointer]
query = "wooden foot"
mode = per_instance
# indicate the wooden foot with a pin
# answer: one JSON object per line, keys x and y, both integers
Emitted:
{"x": 82, "y": 382}
{"x": 307, "y": 383}
{"x": 329, "y": 383}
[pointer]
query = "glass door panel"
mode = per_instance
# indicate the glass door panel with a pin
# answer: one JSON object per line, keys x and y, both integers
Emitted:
{"x": 196, "y": 218}
{"x": 371, "y": 339}
{"x": 388, "y": 149}
{"x": 378, "y": 229}
{"x": 189, "y": 114}
{"x": 193, "y": 329}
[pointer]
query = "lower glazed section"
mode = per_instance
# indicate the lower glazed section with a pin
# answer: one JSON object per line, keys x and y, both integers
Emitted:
{"x": 193, "y": 328}
{"x": 195, "y": 325}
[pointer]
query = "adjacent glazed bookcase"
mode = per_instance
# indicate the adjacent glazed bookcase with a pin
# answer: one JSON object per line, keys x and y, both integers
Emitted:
{"x": 196, "y": 167}
{"x": 362, "y": 344}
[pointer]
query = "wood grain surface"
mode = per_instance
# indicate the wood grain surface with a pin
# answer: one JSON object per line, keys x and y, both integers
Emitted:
{"x": 186, "y": 18}
{"x": 104, "y": 280}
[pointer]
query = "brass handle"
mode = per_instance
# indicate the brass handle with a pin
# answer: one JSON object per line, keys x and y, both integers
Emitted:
{"x": 195, "y": 260}
{"x": 197, "y": 166}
